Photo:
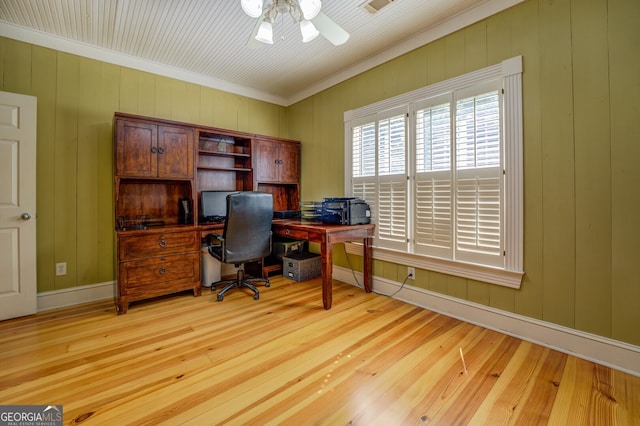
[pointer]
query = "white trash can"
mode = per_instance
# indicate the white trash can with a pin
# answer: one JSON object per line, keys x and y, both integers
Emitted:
{"x": 210, "y": 268}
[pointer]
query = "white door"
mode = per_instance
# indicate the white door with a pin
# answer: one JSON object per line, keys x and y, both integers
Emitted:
{"x": 18, "y": 287}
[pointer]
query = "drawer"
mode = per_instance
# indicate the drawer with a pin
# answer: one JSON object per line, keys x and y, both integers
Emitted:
{"x": 137, "y": 275}
{"x": 293, "y": 233}
{"x": 157, "y": 244}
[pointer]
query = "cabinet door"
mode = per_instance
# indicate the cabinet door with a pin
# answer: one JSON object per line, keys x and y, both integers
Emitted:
{"x": 265, "y": 160}
{"x": 289, "y": 163}
{"x": 175, "y": 152}
{"x": 136, "y": 146}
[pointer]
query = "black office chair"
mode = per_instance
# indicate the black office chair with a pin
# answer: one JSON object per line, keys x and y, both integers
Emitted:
{"x": 246, "y": 238}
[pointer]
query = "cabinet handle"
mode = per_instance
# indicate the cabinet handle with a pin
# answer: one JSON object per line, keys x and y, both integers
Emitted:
{"x": 163, "y": 243}
{"x": 163, "y": 270}
{"x": 154, "y": 149}
{"x": 160, "y": 150}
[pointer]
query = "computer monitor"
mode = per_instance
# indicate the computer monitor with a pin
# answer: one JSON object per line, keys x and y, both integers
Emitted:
{"x": 214, "y": 203}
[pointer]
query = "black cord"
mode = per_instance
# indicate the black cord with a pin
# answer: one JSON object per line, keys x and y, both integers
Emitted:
{"x": 401, "y": 286}
{"x": 346, "y": 254}
{"x": 344, "y": 246}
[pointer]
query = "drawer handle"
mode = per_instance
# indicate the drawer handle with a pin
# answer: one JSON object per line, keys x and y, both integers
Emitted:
{"x": 286, "y": 232}
{"x": 163, "y": 270}
{"x": 163, "y": 243}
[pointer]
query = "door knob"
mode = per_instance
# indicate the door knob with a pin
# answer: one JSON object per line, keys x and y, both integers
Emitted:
{"x": 25, "y": 216}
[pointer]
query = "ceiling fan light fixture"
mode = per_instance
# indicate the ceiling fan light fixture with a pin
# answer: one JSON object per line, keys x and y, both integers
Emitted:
{"x": 252, "y": 8}
{"x": 310, "y": 8}
{"x": 308, "y": 31}
{"x": 265, "y": 32}
{"x": 306, "y": 13}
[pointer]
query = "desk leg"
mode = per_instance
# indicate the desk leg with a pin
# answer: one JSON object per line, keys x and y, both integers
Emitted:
{"x": 368, "y": 265}
{"x": 326, "y": 249}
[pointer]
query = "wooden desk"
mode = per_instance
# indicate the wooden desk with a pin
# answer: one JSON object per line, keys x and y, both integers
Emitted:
{"x": 327, "y": 235}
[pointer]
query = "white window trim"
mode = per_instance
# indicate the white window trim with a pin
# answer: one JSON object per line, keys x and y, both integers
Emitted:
{"x": 471, "y": 271}
{"x": 510, "y": 71}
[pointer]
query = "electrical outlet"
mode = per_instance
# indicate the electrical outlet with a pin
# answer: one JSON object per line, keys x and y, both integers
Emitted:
{"x": 61, "y": 268}
{"x": 411, "y": 271}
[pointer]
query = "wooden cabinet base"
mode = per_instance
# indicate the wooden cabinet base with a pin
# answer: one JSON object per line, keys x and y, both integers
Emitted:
{"x": 156, "y": 263}
{"x": 122, "y": 303}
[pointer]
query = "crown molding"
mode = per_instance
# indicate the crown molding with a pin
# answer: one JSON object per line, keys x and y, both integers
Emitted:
{"x": 449, "y": 26}
{"x": 482, "y": 11}
{"x": 92, "y": 52}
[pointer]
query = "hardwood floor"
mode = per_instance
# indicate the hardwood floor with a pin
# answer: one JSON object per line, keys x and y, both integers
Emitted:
{"x": 370, "y": 360}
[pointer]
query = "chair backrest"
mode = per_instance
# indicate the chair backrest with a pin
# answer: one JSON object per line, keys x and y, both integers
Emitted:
{"x": 247, "y": 229}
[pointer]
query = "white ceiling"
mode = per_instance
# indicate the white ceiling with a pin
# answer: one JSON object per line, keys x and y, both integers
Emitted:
{"x": 204, "y": 41}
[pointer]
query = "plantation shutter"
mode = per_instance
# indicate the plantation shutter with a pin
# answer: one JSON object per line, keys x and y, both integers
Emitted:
{"x": 364, "y": 183}
{"x": 379, "y": 174}
{"x": 433, "y": 208}
{"x": 391, "y": 225}
{"x": 479, "y": 178}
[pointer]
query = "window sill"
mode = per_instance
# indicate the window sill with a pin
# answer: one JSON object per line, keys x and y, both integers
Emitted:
{"x": 511, "y": 279}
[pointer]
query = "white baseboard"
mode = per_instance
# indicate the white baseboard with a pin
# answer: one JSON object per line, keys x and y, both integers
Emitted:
{"x": 76, "y": 295}
{"x": 612, "y": 353}
{"x": 601, "y": 350}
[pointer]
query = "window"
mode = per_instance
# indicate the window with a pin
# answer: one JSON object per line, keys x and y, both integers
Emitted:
{"x": 379, "y": 162}
{"x": 441, "y": 169}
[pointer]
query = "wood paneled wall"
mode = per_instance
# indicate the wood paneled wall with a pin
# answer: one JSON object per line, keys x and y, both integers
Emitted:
{"x": 581, "y": 68}
{"x": 77, "y": 98}
{"x": 581, "y": 143}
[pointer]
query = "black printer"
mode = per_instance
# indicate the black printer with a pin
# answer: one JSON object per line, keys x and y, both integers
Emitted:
{"x": 345, "y": 211}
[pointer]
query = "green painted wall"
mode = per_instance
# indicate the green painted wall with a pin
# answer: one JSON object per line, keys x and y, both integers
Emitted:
{"x": 77, "y": 98}
{"x": 581, "y": 145}
{"x": 581, "y": 83}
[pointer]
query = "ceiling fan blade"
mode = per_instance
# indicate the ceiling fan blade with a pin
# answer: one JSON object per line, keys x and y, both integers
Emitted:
{"x": 330, "y": 30}
{"x": 252, "y": 43}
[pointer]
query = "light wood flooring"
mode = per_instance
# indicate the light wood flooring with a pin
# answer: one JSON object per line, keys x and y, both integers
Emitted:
{"x": 370, "y": 360}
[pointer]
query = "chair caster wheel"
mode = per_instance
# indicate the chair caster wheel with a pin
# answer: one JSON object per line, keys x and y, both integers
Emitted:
{"x": 268, "y": 284}
{"x": 256, "y": 296}
{"x": 220, "y": 297}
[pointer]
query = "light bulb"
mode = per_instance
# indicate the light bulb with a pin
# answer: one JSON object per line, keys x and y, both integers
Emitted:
{"x": 252, "y": 8}
{"x": 265, "y": 32}
{"x": 310, "y": 8}
{"x": 308, "y": 30}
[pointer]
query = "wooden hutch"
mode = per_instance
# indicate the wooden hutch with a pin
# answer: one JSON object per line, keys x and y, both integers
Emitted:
{"x": 161, "y": 166}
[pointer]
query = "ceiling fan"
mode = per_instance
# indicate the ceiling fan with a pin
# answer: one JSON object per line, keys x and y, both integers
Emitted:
{"x": 306, "y": 13}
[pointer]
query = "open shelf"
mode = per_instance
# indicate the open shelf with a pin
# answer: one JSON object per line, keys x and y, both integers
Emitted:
{"x": 223, "y": 154}
{"x": 225, "y": 169}
{"x": 224, "y": 161}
